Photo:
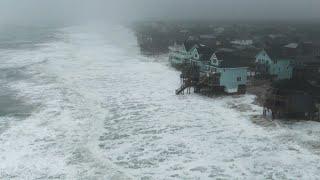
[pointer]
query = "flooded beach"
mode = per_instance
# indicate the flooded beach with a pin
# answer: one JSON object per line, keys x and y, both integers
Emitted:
{"x": 81, "y": 102}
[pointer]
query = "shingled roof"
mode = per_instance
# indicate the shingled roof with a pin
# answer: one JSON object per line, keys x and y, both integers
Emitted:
{"x": 230, "y": 59}
{"x": 308, "y": 59}
{"x": 274, "y": 53}
{"x": 188, "y": 44}
{"x": 280, "y": 51}
{"x": 292, "y": 45}
{"x": 296, "y": 86}
{"x": 205, "y": 52}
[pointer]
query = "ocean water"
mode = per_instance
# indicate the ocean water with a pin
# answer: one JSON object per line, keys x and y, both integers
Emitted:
{"x": 81, "y": 102}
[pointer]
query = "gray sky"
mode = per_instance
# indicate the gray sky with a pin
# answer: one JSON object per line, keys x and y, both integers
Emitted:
{"x": 31, "y": 10}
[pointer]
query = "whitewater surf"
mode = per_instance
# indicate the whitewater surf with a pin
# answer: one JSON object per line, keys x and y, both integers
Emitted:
{"x": 86, "y": 105}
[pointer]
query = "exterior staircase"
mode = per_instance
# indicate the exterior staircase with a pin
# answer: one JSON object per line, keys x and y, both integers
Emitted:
{"x": 182, "y": 88}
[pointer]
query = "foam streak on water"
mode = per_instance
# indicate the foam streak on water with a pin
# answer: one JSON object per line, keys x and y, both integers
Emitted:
{"x": 103, "y": 111}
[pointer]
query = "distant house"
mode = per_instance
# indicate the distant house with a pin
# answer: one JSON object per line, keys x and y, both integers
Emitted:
{"x": 272, "y": 63}
{"x": 291, "y": 50}
{"x": 207, "y": 36}
{"x": 219, "y": 30}
{"x": 209, "y": 40}
{"x": 242, "y": 42}
{"x": 184, "y": 31}
{"x": 307, "y": 68}
{"x": 274, "y": 36}
{"x": 316, "y": 50}
{"x": 292, "y": 45}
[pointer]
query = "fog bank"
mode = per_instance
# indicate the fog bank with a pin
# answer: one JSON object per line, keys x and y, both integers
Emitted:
{"x": 23, "y": 11}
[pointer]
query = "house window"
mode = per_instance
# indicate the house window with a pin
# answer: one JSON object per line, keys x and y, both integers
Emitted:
{"x": 238, "y": 79}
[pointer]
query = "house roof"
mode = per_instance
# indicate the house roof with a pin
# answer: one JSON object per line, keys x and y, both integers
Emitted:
{"x": 250, "y": 52}
{"x": 296, "y": 86}
{"x": 308, "y": 60}
{"x": 273, "y": 53}
{"x": 208, "y": 36}
{"x": 205, "y": 52}
{"x": 226, "y": 49}
{"x": 230, "y": 59}
{"x": 190, "y": 44}
{"x": 203, "y": 49}
{"x": 292, "y": 45}
{"x": 276, "y": 53}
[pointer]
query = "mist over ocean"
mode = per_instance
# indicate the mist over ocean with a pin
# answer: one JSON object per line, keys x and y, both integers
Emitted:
{"x": 80, "y": 102}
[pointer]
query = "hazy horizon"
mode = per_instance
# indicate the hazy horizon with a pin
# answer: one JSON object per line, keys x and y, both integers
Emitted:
{"x": 30, "y": 11}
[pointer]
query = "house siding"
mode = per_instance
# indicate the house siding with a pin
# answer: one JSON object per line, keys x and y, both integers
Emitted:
{"x": 231, "y": 78}
{"x": 263, "y": 58}
{"x": 263, "y": 62}
{"x": 280, "y": 68}
{"x": 178, "y": 55}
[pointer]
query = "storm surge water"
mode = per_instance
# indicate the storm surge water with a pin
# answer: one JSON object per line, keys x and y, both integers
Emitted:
{"x": 82, "y": 103}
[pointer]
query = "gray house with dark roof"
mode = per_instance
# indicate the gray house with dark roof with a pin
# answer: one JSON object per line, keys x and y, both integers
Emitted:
{"x": 222, "y": 68}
